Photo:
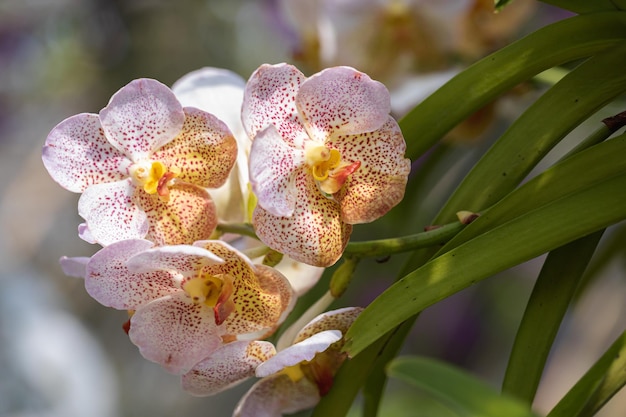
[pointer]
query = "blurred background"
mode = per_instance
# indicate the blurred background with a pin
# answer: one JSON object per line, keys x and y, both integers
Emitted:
{"x": 64, "y": 355}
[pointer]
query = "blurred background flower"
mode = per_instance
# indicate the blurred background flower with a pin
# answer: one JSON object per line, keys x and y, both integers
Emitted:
{"x": 62, "y": 354}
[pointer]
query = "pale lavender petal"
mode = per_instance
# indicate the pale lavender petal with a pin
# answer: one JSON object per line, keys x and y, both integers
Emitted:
{"x": 273, "y": 166}
{"x": 304, "y": 350}
{"x": 228, "y": 366}
{"x": 77, "y": 154}
{"x": 74, "y": 267}
{"x": 342, "y": 100}
{"x": 187, "y": 260}
{"x": 109, "y": 281}
{"x": 175, "y": 332}
{"x": 269, "y": 98}
{"x": 85, "y": 234}
{"x": 275, "y": 395}
{"x": 141, "y": 117}
{"x": 110, "y": 213}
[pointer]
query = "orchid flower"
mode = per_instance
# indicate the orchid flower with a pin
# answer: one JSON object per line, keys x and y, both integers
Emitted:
{"x": 325, "y": 155}
{"x": 188, "y": 300}
{"x": 220, "y": 92}
{"x": 142, "y": 165}
{"x": 295, "y": 378}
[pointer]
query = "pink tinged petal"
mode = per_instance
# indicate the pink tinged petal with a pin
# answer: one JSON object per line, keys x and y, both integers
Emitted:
{"x": 77, "y": 154}
{"x": 228, "y": 366}
{"x": 340, "y": 319}
{"x": 379, "y": 184}
{"x": 277, "y": 395}
{"x": 189, "y": 215}
{"x": 269, "y": 99}
{"x": 110, "y": 213}
{"x": 273, "y": 167}
{"x": 184, "y": 259}
{"x": 342, "y": 100}
{"x": 74, "y": 267}
{"x": 301, "y": 277}
{"x": 314, "y": 234}
{"x": 112, "y": 284}
{"x": 174, "y": 332}
{"x": 141, "y": 117}
{"x": 204, "y": 151}
{"x": 304, "y": 350}
{"x": 85, "y": 234}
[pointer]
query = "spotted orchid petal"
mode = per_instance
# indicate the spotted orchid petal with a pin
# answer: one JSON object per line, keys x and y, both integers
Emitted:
{"x": 77, "y": 154}
{"x": 275, "y": 395}
{"x": 110, "y": 213}
{"x": 261, "y": 295}
{"x": 340, "y": 319}
{"x": 74, "y": 266}
{"x": 186, "y": 260}
{"x": 189, "y": 215}
{"x": 220, "y": 92}
{"x": 302, "y": 277}
{"x": 175, "y": 332}
{"x": 269, "y": 98}
{"x": 314, "y": 234}
{"x": 342, "y": 100}
{"x": 379, "y": 183}
{"x": 141, "y": 117}
{"x": 204, "y": 152}
{"x": 273, "y": 168}
{"x": 304, "y": 350}
{"x": 109, "y": 281}
{"x": 228, "y": 366}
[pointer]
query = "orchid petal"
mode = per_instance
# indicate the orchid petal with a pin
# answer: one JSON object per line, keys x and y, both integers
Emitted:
{"x": 314, "y": 234}
{"x": 141, "y": 117}
{"x": 228, "y": 366}
{"x": 204, "y": 151}
{"x": 77, "y": 154}
{"x": 342, "y": 100}
{"x": 304, "y": 350}
{"x": 174, "y": 332}
{"x": 340, "y": 319}
{"x": 273, "y": 166}
{"x": 110, "y": 213}
{"x": 275, "y": 395}
{"x": 85, "y": 234}
{"x": 109, "y": 281}
{"x": 261, "y": 295}
{"x": 184, "y": 259}
{"x": 269, "y": 98}
{"x": 379, "y": 184}
{"x": 74, "y": 267}
{"x": 301, "y": 277}
{"x": 189, "y": 215}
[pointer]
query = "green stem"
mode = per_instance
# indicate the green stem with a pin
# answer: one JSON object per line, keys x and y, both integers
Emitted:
{"x": 243, "y": 229}
{"x": 551, "y": 296}
{"x": 382, "y": 247}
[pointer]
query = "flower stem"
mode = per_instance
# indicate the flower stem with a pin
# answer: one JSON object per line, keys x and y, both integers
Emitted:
{"x": 382, "y": 247}
{"x": 244, "y": 229}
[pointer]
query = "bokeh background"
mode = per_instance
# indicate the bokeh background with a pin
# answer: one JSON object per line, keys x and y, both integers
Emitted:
{"x": 64, "y": 355}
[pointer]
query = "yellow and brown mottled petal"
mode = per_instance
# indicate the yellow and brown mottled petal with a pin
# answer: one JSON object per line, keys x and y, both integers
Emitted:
{"x": 269, "y": 98}
{"x": 340, "y": 319}
{"x": 228, "y": 366}
{"x": 380, "y": 182}
{"x": 189, "y": 215}
{"x": 175, "y": 332}
{"x": 204, "y": 151}
{"x": 342, "y": 100}
{"x": 315, "y": 234}
{"x": 277, "y": 394}
{"x": 77, "y": 154}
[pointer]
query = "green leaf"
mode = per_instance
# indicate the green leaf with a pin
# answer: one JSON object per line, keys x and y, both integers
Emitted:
{"x": 597, "y": 386}
{"x": 481, "y": 83}
{"x": 551, "y": 296}
{"x": 468, "y": 395}
{"x": 585, "y": 6}
{"x": 525, "y": 237}
{"x": 500, "y": 4}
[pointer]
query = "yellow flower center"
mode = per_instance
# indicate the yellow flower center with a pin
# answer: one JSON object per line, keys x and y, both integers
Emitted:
{"x": 204, "y": 289}
{"x": 294, "y": 372}
{"x": 154, "y": 177}
{"x": 322, "y": 160}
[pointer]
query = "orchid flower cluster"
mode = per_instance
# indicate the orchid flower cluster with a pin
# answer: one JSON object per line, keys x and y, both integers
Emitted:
{"x": 301, "y": 159}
